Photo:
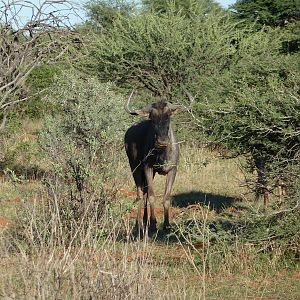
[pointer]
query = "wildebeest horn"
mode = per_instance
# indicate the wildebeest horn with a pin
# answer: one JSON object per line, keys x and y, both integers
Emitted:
{"x": 137, "y": 112}
{"x": 127, "y": 105}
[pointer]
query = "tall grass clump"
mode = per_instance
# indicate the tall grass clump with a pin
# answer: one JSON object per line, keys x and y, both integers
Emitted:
{"x": 248, "y": 242}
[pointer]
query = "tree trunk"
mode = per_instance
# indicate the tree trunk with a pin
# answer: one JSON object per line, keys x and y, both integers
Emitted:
{"x": 261, "y": 185}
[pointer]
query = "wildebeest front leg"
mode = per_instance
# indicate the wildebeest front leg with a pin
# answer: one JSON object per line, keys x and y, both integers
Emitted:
{"x": 167, "y": 196}
{"x": 151, "y": 197}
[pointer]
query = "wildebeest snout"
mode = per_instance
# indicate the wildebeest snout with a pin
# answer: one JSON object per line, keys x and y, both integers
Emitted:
{"x": 162, "y": 143}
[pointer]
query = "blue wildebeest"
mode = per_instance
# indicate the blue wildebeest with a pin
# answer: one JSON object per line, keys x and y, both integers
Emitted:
{"x": 151, "y": 148}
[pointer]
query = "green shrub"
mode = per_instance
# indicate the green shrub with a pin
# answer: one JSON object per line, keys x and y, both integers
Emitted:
{"x": 79, "y": 144}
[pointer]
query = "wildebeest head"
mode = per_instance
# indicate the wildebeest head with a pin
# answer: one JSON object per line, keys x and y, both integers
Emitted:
{"x": 160, "y": 115}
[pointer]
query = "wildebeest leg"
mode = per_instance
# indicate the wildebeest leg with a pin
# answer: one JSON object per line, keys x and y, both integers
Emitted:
{"x": 151, "y": 197}
{"x": 145, "y": 196}
{"x": 140, "y": 183}
{"x": 169, "y": 183}
{"x": 139, "y": 220}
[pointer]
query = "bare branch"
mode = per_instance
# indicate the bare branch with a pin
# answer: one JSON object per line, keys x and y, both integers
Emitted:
{"x": 25, "y": 43}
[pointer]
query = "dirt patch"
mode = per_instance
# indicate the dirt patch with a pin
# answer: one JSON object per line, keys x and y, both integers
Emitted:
{"x": 296, "y": 275}
{"x": 127, "y": 193}
{"x": 18, "y": 200}
{"x": 174, "y": 212}
{"x": 15, "y": 200}
{"x": 231, "y": 209}
{"x": 4, "y": 222}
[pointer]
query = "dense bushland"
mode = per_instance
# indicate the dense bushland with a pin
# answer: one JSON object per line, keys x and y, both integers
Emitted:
{"x": 69, "y": 236}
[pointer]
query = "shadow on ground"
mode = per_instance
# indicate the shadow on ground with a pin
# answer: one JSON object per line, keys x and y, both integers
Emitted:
{"x": 25, "y": 172}
{"x": 215, "y": 202}
{"x": 181, "y": 201}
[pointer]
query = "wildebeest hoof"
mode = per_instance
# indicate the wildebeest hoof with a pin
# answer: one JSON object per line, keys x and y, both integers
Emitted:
{"x": 152, "y": 226}
{"x": 167, "y": 228}
{"x": 138, "y": 232}
{"x": 152, "y": 229}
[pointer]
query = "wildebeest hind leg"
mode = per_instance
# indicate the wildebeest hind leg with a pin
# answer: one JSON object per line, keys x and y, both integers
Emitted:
{"x": 139, "y": 182}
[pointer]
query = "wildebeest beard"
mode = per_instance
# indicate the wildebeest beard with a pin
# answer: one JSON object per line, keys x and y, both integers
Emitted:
{"x": 160, "y": 161}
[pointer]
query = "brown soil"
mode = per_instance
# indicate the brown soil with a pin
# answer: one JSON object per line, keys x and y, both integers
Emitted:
{"x": 127, "y": 193}
{"x": 159, "y": 212}
{"x": 231, "y": 209}
{"x": 4, "y": 222}
{"x": 18, "y": 200}
{"x": 296, "y": 275}
{"x": 14, "y": 200}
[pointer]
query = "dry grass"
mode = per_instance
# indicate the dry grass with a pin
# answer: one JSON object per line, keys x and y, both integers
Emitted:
{"x": 105, "y": 267}
{"x": 105, "y": 264}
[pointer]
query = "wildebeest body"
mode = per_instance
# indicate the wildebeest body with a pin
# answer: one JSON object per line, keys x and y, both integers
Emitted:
{"x": 141, "y": 151}
{"x": 146, "y": 159}
{"x": 151, "y": 148}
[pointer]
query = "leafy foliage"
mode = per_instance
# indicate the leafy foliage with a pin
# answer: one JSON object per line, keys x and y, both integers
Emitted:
{"x": 163, "y": 53}
{"x": 103, "y": 13}
{"x": 78, "y": 143}
{"x": 266, "y": 12}
{"x": 243, "y": 79}
{"x": 25, "y": 45}
{"x": 90, "y": 120}
{"x": 269, "y": 235}
{"x": 38, "y": 82}
{"x": 185, "y": 8}
{"x": 259, "y": 114}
